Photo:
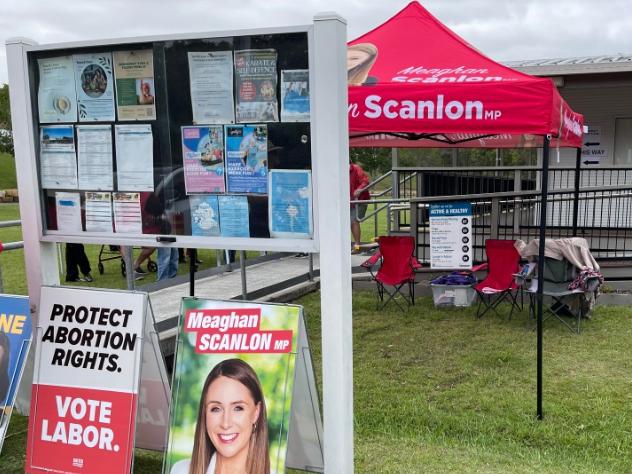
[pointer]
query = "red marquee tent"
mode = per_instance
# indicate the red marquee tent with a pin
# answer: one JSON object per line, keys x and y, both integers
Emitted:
{"x": 414, "y": 83}
{"x": 412, "y": 78}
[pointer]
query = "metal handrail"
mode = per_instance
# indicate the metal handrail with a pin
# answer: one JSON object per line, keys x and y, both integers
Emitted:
{"x": 16, "y": 223}
{"x": 13, "y": 245}
{"x": 505, "y": 168}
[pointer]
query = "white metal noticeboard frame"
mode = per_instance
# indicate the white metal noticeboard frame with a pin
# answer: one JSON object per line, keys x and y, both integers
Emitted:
{"x": 330, "y": 185}
{"x": 187, "y": 241}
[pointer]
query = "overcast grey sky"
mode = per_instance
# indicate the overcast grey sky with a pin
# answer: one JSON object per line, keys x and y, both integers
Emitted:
{"x": 502, "y": 29}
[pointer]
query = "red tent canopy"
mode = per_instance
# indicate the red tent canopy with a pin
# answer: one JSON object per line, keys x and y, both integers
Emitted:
{"x": 413, "y": 82}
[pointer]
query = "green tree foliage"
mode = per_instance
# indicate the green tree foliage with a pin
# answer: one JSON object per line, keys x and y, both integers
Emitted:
{"x": 375, "y": 161}
{"x": 6, "y": 139}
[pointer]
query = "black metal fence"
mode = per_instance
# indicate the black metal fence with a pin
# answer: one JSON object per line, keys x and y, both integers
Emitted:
{"x": 592, "y": 203}
{"x": 516, "y": 215}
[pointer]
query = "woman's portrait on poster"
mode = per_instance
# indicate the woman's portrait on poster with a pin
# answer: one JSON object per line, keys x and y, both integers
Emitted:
{"x": 231, "y": 433}
{"x": 360, "y": 60}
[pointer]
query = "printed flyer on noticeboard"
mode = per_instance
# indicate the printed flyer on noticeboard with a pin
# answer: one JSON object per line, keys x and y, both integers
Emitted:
{"x": 56, "y": 96}
{"x": 256, "y": 83}
{"x": 247, "y": 159}
{"x": 211, "y": 79}
{"x": 15, "y": 339}
{"x": 295, "y": 95}
{"x": 135, "y": 91}
{"x": 237, "y": 359}
{"x": 204, "y": 216}
{"x": 85, "y": 381}
{"x": 94, "y": 156}
{"x": 94, "y": 84}
{"x": 290, "y": 209}
{"x": 203, "y": 159}
{"x": 58, "y": 161}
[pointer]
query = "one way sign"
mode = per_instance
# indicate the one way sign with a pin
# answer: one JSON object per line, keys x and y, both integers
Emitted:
{"x": 593, "y": 152}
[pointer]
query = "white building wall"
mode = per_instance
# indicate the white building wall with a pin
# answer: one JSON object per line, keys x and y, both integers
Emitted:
{"x": 601, "y": 99}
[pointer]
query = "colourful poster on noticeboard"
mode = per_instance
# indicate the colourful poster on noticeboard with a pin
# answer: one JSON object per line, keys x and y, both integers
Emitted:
{"x": 203, "y": 159}
{"x": 15, "y": 338}
{"x": 233, "y": 386}
{"x": 247, "y": 159}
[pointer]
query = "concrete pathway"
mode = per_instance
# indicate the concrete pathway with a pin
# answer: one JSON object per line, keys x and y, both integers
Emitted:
{"x": 226, "y": 285}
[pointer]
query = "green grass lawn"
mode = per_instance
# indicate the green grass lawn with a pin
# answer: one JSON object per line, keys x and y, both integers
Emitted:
{"x": 7, "y": 172}
{"x": 437, "y": 391}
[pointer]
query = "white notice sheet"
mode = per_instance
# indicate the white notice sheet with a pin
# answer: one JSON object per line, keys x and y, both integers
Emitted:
{"x": 127, "y": 215}
{"x": 56, "y": 100}
{"x": 94, "y": 148}
{"x": 98, "y": 212}
{"x": 134, "y": 157}
{"x": 58, "y": 161}
{"x": 211, "y": 81}
{"x": 68, "y": 207}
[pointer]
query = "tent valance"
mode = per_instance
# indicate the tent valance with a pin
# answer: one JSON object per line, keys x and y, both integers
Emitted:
{"x": 413, "y": 78}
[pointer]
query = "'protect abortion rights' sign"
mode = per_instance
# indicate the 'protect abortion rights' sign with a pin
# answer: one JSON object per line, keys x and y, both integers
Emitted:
{"x": 85, "y": 381}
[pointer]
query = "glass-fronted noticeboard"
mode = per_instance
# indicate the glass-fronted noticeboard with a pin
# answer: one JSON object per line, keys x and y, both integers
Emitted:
{"x": 205, "y": 141}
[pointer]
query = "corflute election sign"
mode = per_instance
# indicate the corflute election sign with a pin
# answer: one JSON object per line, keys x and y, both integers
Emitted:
{"x": 15, "y": 338}
{"x": 233, "y": 386}
{"x": 85, "y": 381}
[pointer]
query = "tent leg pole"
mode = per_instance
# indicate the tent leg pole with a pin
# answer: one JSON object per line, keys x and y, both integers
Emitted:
{"x": 544, "y": 191}
{"x": 578, "y": 170}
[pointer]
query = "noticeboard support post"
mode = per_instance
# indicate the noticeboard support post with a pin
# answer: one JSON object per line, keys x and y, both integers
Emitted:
{"x": 332, "y": 185}
{"x": 41, "y": 264}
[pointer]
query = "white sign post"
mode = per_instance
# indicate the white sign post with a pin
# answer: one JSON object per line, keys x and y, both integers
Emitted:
{"x": 332, "y": 145}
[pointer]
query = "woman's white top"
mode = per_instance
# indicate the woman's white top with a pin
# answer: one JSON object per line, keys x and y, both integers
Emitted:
{"x": 182, "y": 467}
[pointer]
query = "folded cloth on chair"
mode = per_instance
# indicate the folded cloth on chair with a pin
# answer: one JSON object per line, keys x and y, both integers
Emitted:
{"x": 455, "y": 278}
{"x": 573, "y": 249}
{"x": 584, "y": 277}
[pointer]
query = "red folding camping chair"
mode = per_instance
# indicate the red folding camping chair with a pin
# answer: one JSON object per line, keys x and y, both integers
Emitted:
{"x": 499, "y": 285}
{"x": 396, "y": 266}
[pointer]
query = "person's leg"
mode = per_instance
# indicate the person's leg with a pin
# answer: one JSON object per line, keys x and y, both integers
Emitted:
{"x": 145, "y": 253}
{"x": 356, "y": 232}
{"x": 173, "y": 263}
{"x": 72, "y": 272}
{"x": 355, "y": 228}
{"x": 82, "y": 260}
{"x": 163, "y": 257}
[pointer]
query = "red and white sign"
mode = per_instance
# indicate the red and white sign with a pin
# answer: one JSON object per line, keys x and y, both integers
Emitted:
{"x": 85, "y": 381}
{"x": 236, "y": 330}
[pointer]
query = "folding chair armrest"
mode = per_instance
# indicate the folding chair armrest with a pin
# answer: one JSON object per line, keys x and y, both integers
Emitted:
{"x": 415, "y": 264}
{"x": 520, "y": 279}
{"x": 372, "y": 260}
{"x": 480, "y": 267}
